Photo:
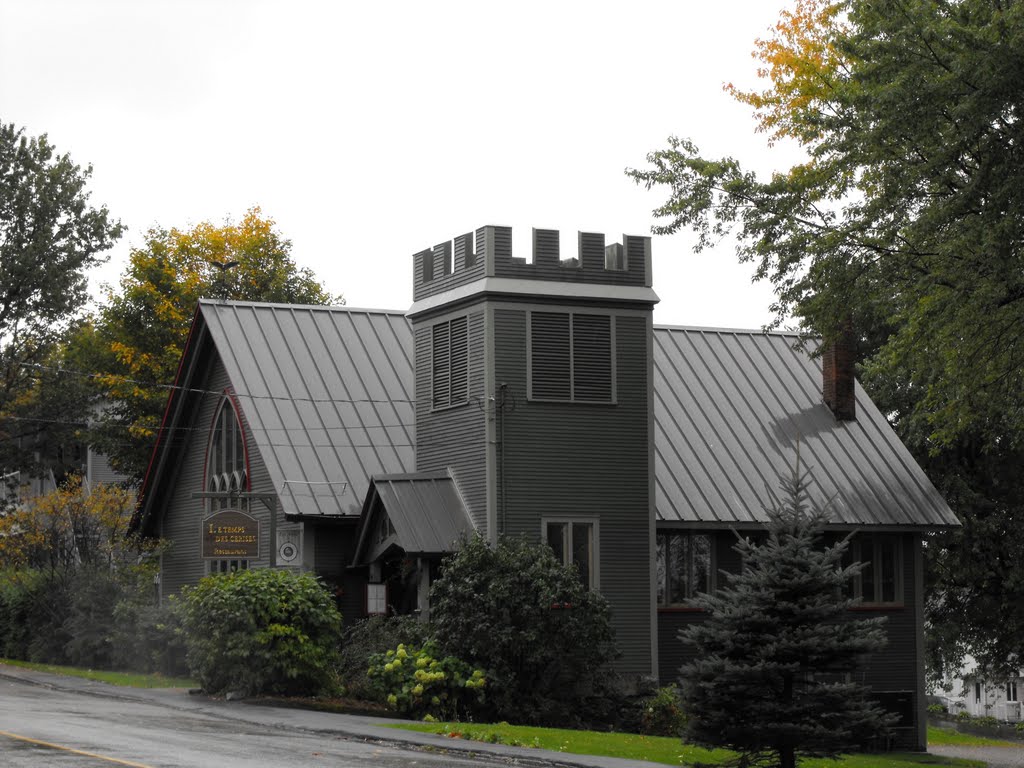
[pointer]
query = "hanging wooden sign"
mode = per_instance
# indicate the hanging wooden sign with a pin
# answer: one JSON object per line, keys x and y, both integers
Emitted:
{"x": 231, "y": 533}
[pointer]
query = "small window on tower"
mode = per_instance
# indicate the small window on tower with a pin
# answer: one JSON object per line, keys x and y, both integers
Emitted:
{"x": 574, "y": 542}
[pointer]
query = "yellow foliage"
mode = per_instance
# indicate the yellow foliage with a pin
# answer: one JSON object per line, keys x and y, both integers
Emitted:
{"x": 68, "y": 527}
{"x": 802, "y": 63}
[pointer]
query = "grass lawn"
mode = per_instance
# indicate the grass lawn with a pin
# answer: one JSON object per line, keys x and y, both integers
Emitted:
{"x": 951, "y": 736}
{"x": 125, "y": 679}
{"x": 653, "y": 748}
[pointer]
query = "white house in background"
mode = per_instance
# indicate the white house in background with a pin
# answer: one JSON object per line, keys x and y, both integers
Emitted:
{"x": 999, "y": 698}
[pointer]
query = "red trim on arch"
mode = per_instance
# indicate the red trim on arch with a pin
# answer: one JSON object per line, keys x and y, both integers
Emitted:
{"x": 229, "y": 394}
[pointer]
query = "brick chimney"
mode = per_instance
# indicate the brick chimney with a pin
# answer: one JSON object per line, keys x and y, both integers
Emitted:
{"x": 837, "y": 376}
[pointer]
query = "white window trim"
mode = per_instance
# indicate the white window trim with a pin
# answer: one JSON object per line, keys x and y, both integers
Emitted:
{"x": 572, "y": 359}
{"x": 1011, "y": 685}
{"x": 373, "y": 599}
{"x": 595, "y": 560}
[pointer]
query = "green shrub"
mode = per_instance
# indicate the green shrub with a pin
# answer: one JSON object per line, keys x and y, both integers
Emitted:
{"x": 418, "y": 684}
{"x": 262, "y": 631}
{"x": 963, "y": 717}
{"x": 372, "y": 636}
{"x": 985, "y": 721}
{"x": 150, "y": 638}
{"x": 663, "y": 713}
{"x": 90, "y": 622}
{"x": 34, "y": 608}
{"x": 1019, "y": 727}
{"x": 16, "y": 600}
{"x": 545, "y": 640}
{"x": 936, "y": 709}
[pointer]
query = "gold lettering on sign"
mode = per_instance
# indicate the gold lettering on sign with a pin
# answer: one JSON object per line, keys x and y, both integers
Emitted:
{"x": 231, "y": 533}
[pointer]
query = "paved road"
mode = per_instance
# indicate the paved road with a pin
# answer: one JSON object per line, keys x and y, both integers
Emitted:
{"x": 43, "y": 726}
{"x": 996, "y": 757}
{"x": 49, "y": 720}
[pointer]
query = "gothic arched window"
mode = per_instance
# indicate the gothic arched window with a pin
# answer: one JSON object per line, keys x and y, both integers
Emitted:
{"x": 226, "y": 456}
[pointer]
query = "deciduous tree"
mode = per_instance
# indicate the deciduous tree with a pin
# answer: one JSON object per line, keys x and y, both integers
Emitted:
{"x": 907, "y": 215}
{"x": 47, "y": 421}
{"x": 909, "y": 209}
{"x": 67, "y": 566}
{"x": 145, "y": 322}
{"x": 50, "y": 236}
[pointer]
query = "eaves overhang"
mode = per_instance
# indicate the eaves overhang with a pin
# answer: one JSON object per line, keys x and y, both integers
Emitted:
{"x": 506, "y": 287}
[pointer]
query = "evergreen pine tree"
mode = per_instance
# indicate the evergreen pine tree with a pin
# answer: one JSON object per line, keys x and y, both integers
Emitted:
{"x": 772, "y": 677}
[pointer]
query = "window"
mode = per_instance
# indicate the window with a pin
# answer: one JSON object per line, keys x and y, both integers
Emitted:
{"x": 226, "y": 470}
{"x": 881, "y": 580}
{"x": 450, "y": 363}
{"x": 226, "y": 566}
{"x": 570, "y": 357}
{"x": 684, "y": 566}
{"x": 575, "y": 542}
{"x": 385, "y": 529}
{"x": 977, "y": 693}
{"x": 1011, "y": 691}
{"x": 376, "y": 599}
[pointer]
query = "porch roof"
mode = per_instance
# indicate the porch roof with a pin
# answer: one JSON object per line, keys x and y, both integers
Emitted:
{"x": 426, "y": 511}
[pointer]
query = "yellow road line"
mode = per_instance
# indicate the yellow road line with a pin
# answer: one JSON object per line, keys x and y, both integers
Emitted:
{"x": 37, "y": 742}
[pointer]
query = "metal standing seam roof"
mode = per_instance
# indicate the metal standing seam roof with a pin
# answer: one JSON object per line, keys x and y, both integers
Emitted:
{"x": 425, "y": 508}
{"x": 731, "y": 408}
{"x": 327, "y": 393}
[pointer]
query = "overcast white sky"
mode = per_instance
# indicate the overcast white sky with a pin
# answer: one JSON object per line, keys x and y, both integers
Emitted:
{"x": 370, "y": 131}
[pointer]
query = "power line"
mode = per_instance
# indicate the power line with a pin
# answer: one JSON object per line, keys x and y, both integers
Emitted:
{"x": 298, "y": 428}
{"x": 199, "y": 391}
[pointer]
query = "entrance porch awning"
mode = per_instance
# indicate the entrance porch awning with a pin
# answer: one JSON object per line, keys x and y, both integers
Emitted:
{"x": 421, "y": 513}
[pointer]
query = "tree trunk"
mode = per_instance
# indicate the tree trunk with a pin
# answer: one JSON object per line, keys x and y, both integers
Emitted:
{"x": 787, "y": 757}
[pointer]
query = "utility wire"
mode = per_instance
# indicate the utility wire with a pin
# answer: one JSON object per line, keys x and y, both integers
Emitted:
{"x": 196, "y": 390}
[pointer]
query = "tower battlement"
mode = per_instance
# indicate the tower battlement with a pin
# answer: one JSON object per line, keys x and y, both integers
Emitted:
{"x": 488, "y": 252}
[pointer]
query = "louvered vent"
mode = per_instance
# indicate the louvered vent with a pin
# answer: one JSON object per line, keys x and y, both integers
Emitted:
{"x": 550, "y": 355}
{"x": 450, "y": 363}
{"x": 571, "y": 357}
{"x": 592, "y": 358}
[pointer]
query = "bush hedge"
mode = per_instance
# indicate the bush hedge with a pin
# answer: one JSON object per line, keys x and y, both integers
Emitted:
{"x": 372, "y": 637}
{"x": 262, "y": 631}
{"x": 518, "y": 612}
{"x": 418, "y": 683}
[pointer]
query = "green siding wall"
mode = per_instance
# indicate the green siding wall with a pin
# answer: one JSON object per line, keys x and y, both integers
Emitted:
{"x": 456, "y": 436}
{"x": 894, "y": 669}
{"x": 586, "y": 461}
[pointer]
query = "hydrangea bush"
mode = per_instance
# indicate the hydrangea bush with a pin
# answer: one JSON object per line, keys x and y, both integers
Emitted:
{"x": 416, "y": 683}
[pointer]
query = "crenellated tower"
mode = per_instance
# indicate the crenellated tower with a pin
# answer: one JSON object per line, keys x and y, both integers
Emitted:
{"x": 533, "y": 384}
